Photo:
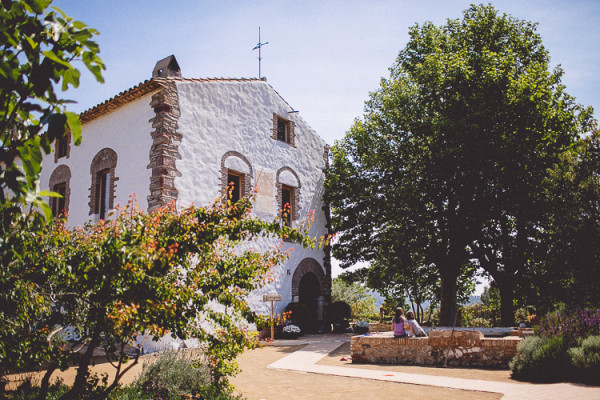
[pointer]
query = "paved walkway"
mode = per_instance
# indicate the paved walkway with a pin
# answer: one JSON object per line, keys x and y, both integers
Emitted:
{"x": 305, "y": 360}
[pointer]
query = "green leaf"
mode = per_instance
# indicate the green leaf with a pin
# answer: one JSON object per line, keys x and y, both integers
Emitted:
{"x": 48, "y": 193}
{"x": 75, "y": 126}
{"x": 51, "y": 55}
{"x": 70, "y": 76}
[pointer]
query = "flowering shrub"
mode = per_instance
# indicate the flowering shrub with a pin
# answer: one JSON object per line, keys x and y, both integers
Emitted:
{"x": 138, "y": 274}
{"x": 567, "y": 348}
{"x": 572, "y": 326}
{"x": 277, "y": 320}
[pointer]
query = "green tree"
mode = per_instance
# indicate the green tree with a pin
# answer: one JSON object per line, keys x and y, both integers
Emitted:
{"x": 570, "y": 263}
{"x": 355, "y": 295}
{"x": 449, "y": 157}
{"x": 38, "y": 48}
{"x": 138, "y": 274}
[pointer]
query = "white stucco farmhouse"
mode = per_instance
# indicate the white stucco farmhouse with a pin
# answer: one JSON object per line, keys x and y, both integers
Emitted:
{"x": 173, "y": 138}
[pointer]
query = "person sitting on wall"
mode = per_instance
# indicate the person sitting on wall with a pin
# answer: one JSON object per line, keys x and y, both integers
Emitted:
{"x": 415, "y": 328}
{"x": 399, "y": 324}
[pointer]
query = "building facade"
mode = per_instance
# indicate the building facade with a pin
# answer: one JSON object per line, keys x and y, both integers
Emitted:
{"x": 176, "y": 139}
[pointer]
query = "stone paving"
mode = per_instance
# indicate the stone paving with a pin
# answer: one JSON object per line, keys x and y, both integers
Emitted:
{"x": 305, "y": 360}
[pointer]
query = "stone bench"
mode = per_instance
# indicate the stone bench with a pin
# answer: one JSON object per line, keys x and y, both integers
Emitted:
{"x": 469, "y": 348}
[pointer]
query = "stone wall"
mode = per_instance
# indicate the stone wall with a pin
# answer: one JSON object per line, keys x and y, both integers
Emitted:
{"x": 468, "y": 348}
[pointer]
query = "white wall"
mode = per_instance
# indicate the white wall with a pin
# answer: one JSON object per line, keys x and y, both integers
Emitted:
{"x": 222, "y": 116}
{"x": 216, "y": 117}
{"x": 126, "y": 131}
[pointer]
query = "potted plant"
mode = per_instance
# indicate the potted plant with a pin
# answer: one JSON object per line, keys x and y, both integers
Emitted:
{"x": 291, "y": 331}
{"x": 261, "y": 326}
{"x": 361, "y": 327}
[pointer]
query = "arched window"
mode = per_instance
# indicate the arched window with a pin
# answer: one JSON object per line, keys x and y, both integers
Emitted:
{"x": 60, "y": 183}
{"x": 288, "y": 195}
{"x": 237, "y": 172}
{"x": 102, "y": 191}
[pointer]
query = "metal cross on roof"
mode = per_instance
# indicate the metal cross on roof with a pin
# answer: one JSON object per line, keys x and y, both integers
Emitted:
{"x": 259, "y": 46}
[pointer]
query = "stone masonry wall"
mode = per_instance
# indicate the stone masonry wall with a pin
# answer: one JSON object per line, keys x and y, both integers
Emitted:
{"x": 468, "y": 348}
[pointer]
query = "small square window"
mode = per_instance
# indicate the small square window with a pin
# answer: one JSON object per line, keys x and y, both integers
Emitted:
{"x": 283, "y": 130}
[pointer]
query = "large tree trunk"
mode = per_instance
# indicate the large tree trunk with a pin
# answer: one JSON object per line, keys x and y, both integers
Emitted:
{"x": 448, "y": 296}
{"x": 507, "y": 313}
{"x": 78, "y": 387}
{"x": 45, "y": 383}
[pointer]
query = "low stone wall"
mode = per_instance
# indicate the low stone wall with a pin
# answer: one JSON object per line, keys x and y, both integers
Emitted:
{"x": 468, "y": 348}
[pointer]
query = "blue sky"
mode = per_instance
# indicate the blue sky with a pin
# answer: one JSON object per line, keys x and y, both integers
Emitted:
{"x": 323, "y": 57}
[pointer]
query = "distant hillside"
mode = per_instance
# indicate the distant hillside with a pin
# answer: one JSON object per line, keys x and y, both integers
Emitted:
{"x": 379, "y": 299}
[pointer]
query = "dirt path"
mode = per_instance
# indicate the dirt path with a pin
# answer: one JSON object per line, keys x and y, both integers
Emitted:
{"x": 256, "y": 382}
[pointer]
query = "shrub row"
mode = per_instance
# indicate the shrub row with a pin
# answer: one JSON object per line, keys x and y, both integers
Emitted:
{"x": 542, "y": 359}
{"x": 171, "y": 376}
{"x": 566, "y": 348}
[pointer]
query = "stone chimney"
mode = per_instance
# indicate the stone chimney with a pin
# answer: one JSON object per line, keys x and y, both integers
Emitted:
{"x": 166, "y": 67}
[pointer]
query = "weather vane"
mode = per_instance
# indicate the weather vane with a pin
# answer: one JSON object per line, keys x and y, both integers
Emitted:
{"x": 258, "y": 46}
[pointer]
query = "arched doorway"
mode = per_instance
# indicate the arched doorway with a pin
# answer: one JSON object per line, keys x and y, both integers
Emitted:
{"x": 310, "y": 287}
{"x": 309, "y": 292}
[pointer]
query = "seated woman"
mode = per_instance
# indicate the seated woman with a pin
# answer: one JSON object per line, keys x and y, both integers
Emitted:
{"x": 415, "y": 328}
{"x": 399, "y": 324}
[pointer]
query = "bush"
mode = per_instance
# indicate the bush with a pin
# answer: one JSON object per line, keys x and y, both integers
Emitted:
{"x": 339, "y": 311}
{"x": 172, "y": 375}
{"x": 478, "y": 315}
{"x": 300, "y": 315}
{"x": 572, "y": 326}
{"x": 586, "y": 360}
{"x": 338, "y": 314}
{"x": 542, "y": 359}
{"x": 361, "y": 327}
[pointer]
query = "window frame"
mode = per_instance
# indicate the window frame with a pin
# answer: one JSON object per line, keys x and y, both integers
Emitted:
{"x": 61, "y": 176}
{"x": 62, "y": 147}
{"x": 289, "y": 135}
{"x": 103, "y": 185}
{"x": 287, "y": 214}
{"x": 59, "y": 203}
{"x": 103, "y": 194}
{"x": 294, "y": 189}
{"x": 241, "y": 192}
{"x": 245, "y": 177}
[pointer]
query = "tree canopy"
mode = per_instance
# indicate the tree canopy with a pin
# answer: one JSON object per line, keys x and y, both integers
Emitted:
{"x": 38, "y": 50}
{"x": 448, "y": 159}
